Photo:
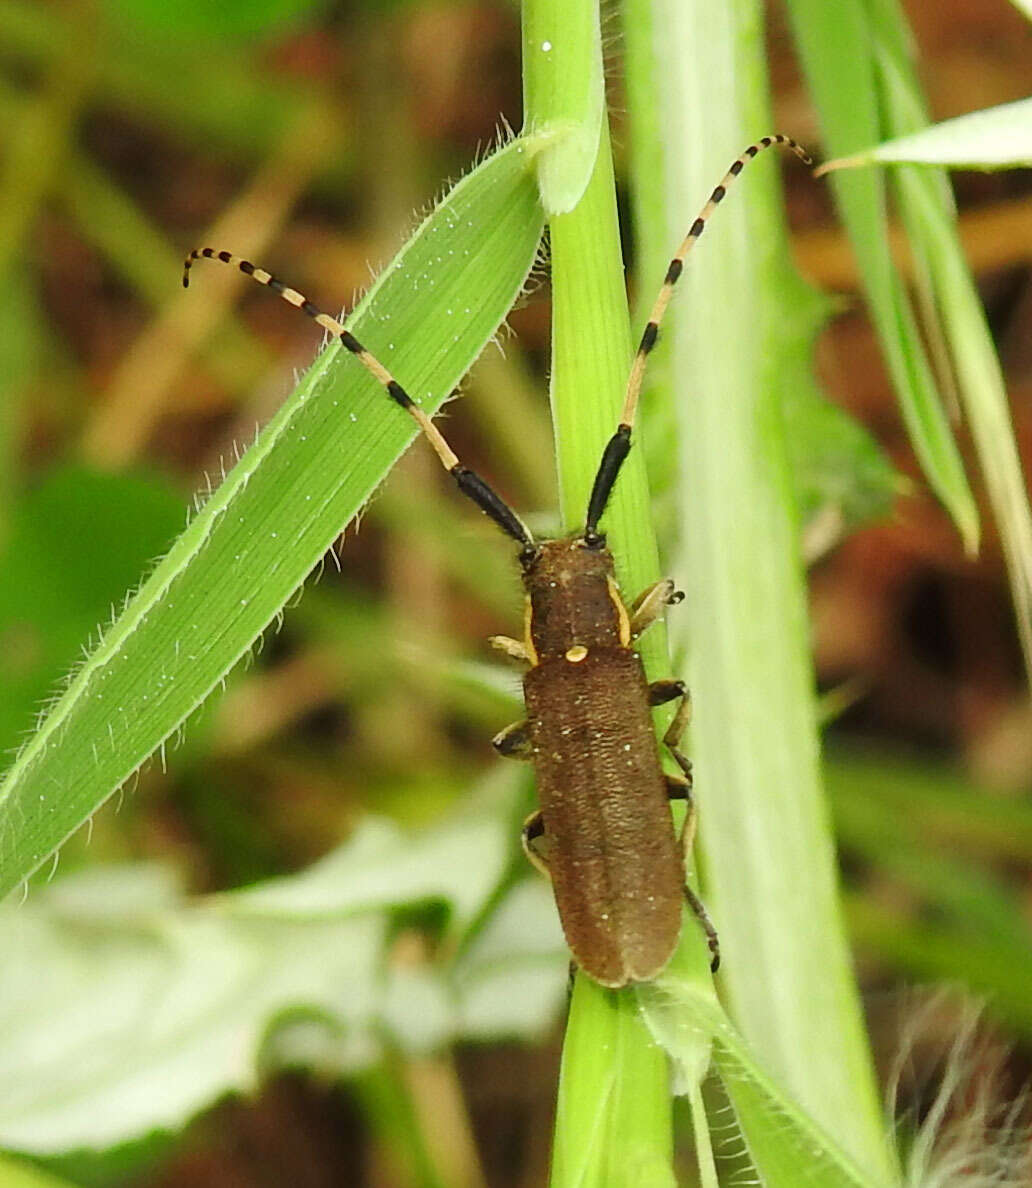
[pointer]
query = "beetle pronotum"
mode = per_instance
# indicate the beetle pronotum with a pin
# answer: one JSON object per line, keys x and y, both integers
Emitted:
{"x": 616, "y": 867}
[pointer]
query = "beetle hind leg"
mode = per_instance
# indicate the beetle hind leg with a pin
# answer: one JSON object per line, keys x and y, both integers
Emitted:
{"x": 660, "y": 692}
{"x": 680, "y": 788}
{"x": 703, "y": 916}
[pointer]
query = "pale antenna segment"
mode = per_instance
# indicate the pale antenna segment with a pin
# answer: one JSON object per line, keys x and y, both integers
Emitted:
{"x": 619, "y": 445}
{"x": 470, "y": 483}
{"x": 651, "y": 332}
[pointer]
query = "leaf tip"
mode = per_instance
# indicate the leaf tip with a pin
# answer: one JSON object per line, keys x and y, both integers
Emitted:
{"x": 970, "y": 532}
{"x": 841, "y": 163}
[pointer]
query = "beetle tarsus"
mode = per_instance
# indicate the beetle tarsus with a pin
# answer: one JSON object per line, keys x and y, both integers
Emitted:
{"x": 662, "y": 692}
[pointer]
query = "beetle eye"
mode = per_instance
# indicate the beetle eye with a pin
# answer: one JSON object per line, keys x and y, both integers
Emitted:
{"x": 594, "y": 540}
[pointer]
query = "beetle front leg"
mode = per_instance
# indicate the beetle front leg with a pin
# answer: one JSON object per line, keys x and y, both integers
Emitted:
{"x": 651, "y": 603}
{"x": 513, "y": 648}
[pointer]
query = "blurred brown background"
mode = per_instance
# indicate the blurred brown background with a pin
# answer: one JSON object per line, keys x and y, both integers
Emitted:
{"x": 309, "y": 140}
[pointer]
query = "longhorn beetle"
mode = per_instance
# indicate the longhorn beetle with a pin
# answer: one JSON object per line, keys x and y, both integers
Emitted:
{"x": 609, "y": 847}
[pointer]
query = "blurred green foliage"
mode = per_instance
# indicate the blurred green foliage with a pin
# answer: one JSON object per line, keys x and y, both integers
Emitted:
{"x": 376, "y": 697}
{"x": 75, "y": 545}
{"x": 236, "y": 21}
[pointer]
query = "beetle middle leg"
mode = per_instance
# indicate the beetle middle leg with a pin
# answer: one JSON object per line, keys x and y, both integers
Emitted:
{"x": 513, "y": 648}
{"x": 514, "y": 741}
{"x": 660, "y": 692}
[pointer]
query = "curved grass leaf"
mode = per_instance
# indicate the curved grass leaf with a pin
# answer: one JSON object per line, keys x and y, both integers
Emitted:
{"x": 980, "y": 382}
{"x": 737, "y": 340}
{"x": 786, "y": 1147}
{"x": 838, "y": 46}
{"x": 951, "y": 309}
{"x": 268, "y": 524}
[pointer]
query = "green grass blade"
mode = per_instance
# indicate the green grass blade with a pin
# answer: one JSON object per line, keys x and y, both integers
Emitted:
{"x": 15, "y": 1173}
{"x": 613, "y": 1121}
{"x": 951, "y": 308}
{"x": 737, "y": 347}
{"x": 995, "y": 138}
{"x": 786, "y": 1147}
{"x": 707, "y": 1167}
{"x": 835, "y": 44}
{"x": 591, "y": 349}
{"x": 983, "y": 393}
{"x": 259, "y": 535}
{"x": 940, "y": 807}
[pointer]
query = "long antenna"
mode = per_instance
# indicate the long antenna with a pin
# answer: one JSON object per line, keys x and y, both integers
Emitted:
{"x": 469, "y": 482}
{"x": 619, "y": 444}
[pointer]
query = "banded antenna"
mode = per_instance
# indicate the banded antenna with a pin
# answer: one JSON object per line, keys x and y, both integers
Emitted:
{"x": 619, "y": 445}
{"x": 469, "y": 482}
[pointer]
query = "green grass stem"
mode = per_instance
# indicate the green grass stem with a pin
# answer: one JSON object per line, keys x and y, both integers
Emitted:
{"x": 613, "y": 1122}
